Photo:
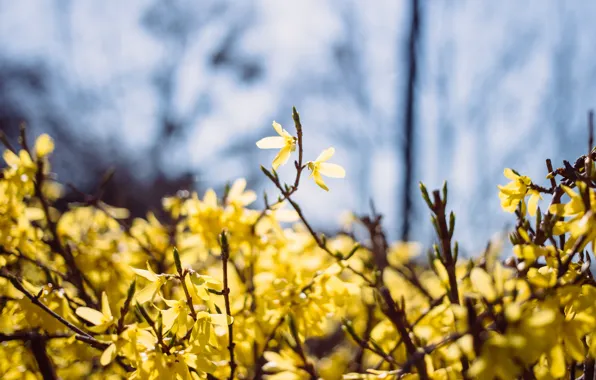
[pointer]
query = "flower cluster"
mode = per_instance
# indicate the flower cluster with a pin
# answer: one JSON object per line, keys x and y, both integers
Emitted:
{"x": 218, "y": 289}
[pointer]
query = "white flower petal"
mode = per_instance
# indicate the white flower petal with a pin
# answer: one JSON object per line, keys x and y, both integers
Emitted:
{"x": 278, "y": 128}
{"x": 274, "y": 142}
{"x": 331, "y": 170}
{"x": 325, "y": 155}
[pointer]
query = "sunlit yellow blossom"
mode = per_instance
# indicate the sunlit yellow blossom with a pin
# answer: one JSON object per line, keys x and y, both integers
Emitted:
{"x": 176, "y": 317}
{"x": 532, "y": 252}
{"x": 275, "y": 300}
{"x": 285, "y": 142}
{"x": 319, "y": 167}
{"x": 286, "y": 365}
{"x": 581, "y": 221}
{"x": 102, "y": 320}
{"x": 156, "y": 282}
{"x": 44, "y": 145}
{"x": 238, "y": 195}
{"x": 515, "y": 192}
{"x": 403, "y": 252}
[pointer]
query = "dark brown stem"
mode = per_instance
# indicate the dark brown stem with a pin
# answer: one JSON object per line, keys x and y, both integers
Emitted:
{"x": 225, "y": 256}
{"x": 370, "y": 314}
{"x": 27, "y": 335}
{"x": 445, "y": 240}
{"x": 44, "y": 363}
{"x": 299, "y": 349}
{"x": 299, "y": 165}
{"x": 397, "y": 317}
{"x": 34, "y": 261}
{"x": 589, "y": 369}
{"x": 6, "y": 143}
{"x": 418, "y": 357}
{"x": 17, "y": 284}
{"x": 365, "y": 343}
{"x": 64, "y": 250}
{"x": 299, "y": 168}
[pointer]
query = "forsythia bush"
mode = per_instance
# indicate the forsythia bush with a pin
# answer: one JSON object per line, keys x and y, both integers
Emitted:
{"x": 223, "y": 291}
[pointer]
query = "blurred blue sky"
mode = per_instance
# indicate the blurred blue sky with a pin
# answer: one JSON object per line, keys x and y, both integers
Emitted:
{"x": 501, "y": 84}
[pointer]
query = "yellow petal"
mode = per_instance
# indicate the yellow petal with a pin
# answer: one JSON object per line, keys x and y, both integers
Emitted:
{"x": 169, "y": 317}
{"x": 118, "y": 212}
{"x": 282, "y": 157}
{"x": 287, "y": 216}
{"x": 568, "y": 191}
{"x": 146, "y": 339}
{"x": 212, "y": 283}
{"x": 182, "y": 326}
{"x": 273, "y": 142}
{"x": 44, "y": 145}
{"x": 90, "y": 315}
{"x": 332, "y": 170}
{"x": 483, "y": 283}
{"x": 319, "y": 180}
{"x": 247, "y": 197}
{"x": 33, "y": 213}
{"x": 278, "y": 128}
{"x": 25, "y": 158}
{"x": 170, "y": 303}
{"x": 510, "y": 174}
{"x": 221, "y": 319}
{"x": 557, "y": 364}
{"x": 441, "y": 271}
{"x": 237, "y": 188}
{"x": 557, "y": 209}
{"x": 574, "y": 347}
{"x": 541, "y": 318}
{"x": 210, "y": 198}
{"x": 108, "y": 355}
{"x": 148, "y": 274}
{"x": 325, "y": 155}
{"x": 10, "y": 158}
{"x": 148, "y": 292}
{"x": 533, "y": 202}
{"x": 105, "y": 305}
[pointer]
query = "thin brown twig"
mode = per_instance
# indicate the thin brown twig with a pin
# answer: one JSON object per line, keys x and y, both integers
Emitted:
{"x": 75, "y": 275}
{"x": 299, "y": 168}
{"x": 225, "y": 256}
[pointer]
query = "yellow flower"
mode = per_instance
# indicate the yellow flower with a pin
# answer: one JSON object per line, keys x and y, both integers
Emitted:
{"x": 44, "y": 145}
{"x": 176, "y": 317}
{"x": 582, "y": 221}
{"x": 515, "y": 191}
{"x": 401, "y": 253}
{"x": 284, "y": 365}
{"x": 285, "y": 142}
{"x": 238, "y": 196}
{"x": 149, "y": 291}
{"x": 532, "y": 252}
{"x": 102, "y": 320}
{"x": 483, "y": 283}
{"x": 319, "y": 166}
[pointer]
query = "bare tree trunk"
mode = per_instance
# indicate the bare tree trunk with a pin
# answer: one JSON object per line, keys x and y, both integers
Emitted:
{"x": 409, "y": 121}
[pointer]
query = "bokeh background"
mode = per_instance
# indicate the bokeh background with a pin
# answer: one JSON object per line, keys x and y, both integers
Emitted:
{"x": 174, "y": 94}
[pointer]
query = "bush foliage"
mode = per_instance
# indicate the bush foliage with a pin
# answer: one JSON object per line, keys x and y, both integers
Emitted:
{"x": 219, "y": 290}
